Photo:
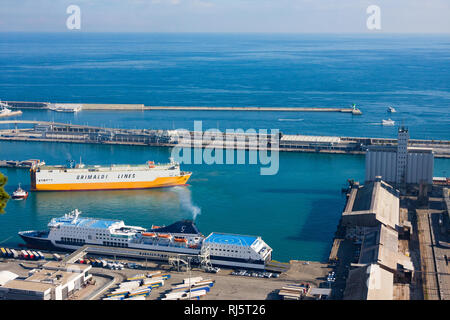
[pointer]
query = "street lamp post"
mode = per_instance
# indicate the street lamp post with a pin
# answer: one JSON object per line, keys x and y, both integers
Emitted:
{"x": 189, "y": 281}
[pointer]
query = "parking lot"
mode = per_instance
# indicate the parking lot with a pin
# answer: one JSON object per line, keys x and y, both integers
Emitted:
{"x": 242, "y": 285}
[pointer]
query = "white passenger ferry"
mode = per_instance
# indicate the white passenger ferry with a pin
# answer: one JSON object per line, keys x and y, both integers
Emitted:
{"x": 71, "y": 232}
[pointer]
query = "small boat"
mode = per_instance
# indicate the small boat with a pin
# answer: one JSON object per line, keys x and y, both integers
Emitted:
{"x": 388, "y": 122}
{"x": 19, "y": 194}
{"x": 5, "y": 112}
{"x": 72, "y": 108}
{"x": 391, "y": 110}
{"x": 3, "y": 109}
{"x": 179, "y": 239}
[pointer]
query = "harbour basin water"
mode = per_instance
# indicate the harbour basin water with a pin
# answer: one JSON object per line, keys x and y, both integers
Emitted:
{"x": 297, "y": 210}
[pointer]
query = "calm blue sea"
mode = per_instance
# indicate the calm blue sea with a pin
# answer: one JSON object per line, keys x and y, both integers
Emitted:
{"x": 295, "y": 211}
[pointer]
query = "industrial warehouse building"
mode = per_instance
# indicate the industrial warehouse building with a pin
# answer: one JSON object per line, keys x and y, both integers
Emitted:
{"x": 372, "y": 218}
{"x": 380, "y": 246}
{"x": 400, "y": 164}
{"x": 54, "y": 281}
{"x": 446, "y": 195}
{"x": 380, "y": 266}
{"x": 369, "y": 205}
{"x": 370, "y": 282}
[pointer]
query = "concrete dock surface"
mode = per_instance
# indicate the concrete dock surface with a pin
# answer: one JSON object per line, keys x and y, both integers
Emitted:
{"x": 226, "y": 286}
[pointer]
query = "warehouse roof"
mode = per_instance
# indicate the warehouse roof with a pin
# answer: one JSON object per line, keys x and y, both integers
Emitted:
{"x": 369, "y": 283}
{"x": 69, "y": 267}
{"x": 420, "y": 150}
{"x": 52, "y": 277}
{"x": 317, "y": 139}
{"x": 6, "y": 276}
{"x": 380, "y": 245}
{"x": 446, "y": 194}
{"x": 393, "y": 148}
{"x": 374, "y": 202}
{"x": 28, "y": 285}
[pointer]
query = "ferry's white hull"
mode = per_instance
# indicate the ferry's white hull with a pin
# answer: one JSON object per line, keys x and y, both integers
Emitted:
{"x": 45, "y": 243}
{"x": 236, "y": 264}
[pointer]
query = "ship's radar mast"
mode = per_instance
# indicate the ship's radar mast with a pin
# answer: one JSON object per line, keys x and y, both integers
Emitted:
{"x": 73, "y": 215}
{"x": 172, "y": 161}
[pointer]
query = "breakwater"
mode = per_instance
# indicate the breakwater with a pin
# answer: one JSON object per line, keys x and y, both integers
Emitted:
{"x": 134, "y": 107}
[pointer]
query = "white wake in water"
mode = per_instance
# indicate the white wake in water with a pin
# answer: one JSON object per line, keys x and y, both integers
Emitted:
{"x": 185, "y": 196}
{"x": 290, "y": 119}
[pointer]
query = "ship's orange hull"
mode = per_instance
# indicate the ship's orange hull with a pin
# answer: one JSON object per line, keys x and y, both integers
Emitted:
{"x": 157, "y": 183}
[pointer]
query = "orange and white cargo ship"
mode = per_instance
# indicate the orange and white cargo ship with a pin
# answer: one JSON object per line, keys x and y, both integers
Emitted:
{"x": 113, "y": 177}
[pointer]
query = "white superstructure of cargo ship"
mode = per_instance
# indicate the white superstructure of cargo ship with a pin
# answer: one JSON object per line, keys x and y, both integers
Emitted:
{"x": 113, "y": 177}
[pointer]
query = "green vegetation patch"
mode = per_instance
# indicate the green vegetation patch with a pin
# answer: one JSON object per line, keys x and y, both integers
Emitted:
{"x": 4, "y": 197}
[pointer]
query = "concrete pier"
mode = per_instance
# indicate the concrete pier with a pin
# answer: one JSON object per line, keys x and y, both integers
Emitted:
{"x": 11, "y": 114}
{"x": 63, "y": 132}
{"x": 141, "y": 107}
{"x": 276, "y": 109}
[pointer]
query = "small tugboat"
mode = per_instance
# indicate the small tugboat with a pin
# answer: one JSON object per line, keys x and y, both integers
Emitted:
{"x": 391, "y": 110}
{"x": 19, "y": 194}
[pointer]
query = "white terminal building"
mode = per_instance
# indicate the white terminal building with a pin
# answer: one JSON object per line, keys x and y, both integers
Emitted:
{"x": 400, "y": 164}
{"x": 54, "y": 281}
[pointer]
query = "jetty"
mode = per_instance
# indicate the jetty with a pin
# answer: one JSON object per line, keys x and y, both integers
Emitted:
{"x": 21, "y": 163}
{"x": 43, "y": 131}
{"x": 273, "y": 109}
{"x": 141, "y": 107}
{"x": 11, "y": 114}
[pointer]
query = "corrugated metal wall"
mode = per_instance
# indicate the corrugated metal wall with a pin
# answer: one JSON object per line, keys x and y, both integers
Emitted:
{"x": 419, "y": 166}
{"x": 381, "y": 163}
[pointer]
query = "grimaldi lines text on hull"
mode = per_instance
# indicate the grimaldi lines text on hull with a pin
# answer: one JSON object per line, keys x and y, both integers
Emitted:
{"x": 81, "y": 177}
{"x": 70, "y": 232}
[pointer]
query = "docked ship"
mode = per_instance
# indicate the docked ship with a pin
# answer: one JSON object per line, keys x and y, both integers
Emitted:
{"x": 71, "y": 232}
{"x": 72, "y": 108}
{"x": 4, "y": 109}
{"x": 113, "y": 177}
